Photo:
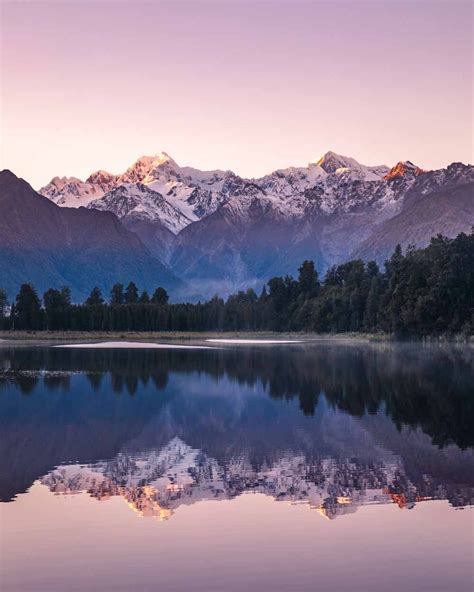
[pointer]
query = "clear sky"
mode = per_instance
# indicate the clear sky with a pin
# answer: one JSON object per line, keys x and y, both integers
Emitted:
{"x": 251, "y": 86}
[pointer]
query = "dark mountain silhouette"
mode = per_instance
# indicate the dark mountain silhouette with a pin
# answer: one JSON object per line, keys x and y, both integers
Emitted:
{"x": 51, "y": 246}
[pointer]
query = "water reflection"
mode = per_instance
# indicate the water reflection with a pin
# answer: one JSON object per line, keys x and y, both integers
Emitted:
{"x": 158, "y": 483}
{"x": 333, "y": 427}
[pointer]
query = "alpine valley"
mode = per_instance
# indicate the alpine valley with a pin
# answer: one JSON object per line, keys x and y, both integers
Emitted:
{"x": 198, "y": 233}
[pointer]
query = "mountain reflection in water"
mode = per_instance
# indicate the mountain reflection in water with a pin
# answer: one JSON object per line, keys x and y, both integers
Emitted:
{"x": 330, "y": 426}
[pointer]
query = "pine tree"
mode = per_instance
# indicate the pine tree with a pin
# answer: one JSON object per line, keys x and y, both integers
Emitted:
{"x": 95, "y": 298}
{"x": 28, "y": 309}
{"x": 116, "y": 295}
{"x": 160, "y": 296}
{"x": 3, "y": 307}
{"x": 308, "y": 282}
{"x": 372, "y": 305}
{"x": 56, "y": 305}
{"x": 3, "y": 302}
{"x": 131, "y": 294}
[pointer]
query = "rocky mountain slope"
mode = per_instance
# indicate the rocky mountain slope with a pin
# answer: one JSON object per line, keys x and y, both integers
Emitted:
{"x": 52, "y": 246}
{"x": 157, "y": 189}
{"x": 222, "y": 232}
{"x": 439, "y": 203}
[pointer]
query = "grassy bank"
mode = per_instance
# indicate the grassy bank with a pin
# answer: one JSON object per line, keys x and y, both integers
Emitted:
{"x": 169, "y": 336}
{"x": 178, "y": 336}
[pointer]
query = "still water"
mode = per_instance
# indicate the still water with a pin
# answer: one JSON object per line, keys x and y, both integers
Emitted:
{"x": 292, "y": 467}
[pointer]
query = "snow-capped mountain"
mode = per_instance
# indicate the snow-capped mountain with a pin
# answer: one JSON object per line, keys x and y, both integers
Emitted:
{"x": 223, "y": 232}
{"x": 262, "y": 232}
{"x": 185, "y": 195}
{"x": 161, "y": 191}
{"x": 340, "y": 165}
{"x": 71, "y": 192}
{"x": 402, "y": 169}
{"x": 158, "y": 189}
{"x": 140, "y": 202}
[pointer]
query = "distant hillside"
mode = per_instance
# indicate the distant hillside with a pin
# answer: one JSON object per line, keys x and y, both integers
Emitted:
{"x": 447, "y": 211}
{"x": 47, "y": 245}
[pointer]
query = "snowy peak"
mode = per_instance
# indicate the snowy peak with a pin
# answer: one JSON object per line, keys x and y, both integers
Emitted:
{"x": 402, "y": 169}
{"x": 71, "y": 192}
{"x": 163, "y": 157}
{"x": 61, "y": 182}
{"x": 143, "y": 168}
{"x": 154, "y": 188}
{"x": 336, "y": 164}
{"x": 102, "y": 178}
{"x": 331, "y": 162}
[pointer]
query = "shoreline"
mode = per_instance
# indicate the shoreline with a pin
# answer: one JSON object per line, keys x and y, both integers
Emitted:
{"x": 143, "y": 336}
{"x": 6, "y": 336}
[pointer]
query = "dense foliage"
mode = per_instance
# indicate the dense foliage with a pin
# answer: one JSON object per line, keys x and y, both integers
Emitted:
{"x": 422, "y": 292}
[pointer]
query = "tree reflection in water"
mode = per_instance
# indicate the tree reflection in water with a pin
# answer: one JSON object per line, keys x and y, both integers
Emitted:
{"x": 363, "y": 424}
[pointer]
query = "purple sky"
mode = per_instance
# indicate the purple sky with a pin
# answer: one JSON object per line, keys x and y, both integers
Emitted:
{"x": 251, "y": 86}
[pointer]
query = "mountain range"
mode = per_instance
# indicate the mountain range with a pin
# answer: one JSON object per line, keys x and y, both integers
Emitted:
{"x": 206, "y": 232}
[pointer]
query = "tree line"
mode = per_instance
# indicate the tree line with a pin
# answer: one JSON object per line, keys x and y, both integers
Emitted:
{"x": 423, "y": 292}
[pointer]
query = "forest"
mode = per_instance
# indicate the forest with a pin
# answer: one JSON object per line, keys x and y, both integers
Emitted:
{"x": 422, "y": 292}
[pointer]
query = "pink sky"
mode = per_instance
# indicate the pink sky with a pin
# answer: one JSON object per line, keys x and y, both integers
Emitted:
{"x": 251, "y": 86}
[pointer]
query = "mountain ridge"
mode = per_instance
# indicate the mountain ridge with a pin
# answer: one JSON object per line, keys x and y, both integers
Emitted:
{"x": 221, "y": 232}
{"x": 51, "y": 246}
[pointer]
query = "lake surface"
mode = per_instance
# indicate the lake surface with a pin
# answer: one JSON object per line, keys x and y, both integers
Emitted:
{"x": 293, "y": 467}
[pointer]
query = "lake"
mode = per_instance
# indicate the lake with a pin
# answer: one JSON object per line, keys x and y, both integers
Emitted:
{"x": 287, "y": 467}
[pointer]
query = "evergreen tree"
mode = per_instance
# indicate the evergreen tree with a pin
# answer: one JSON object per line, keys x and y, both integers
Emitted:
{"x": 3, "y": 302}
{"x": 160, "y": 296}
{"x": 28, "y": 309}
{"x": 95, "y": 298}
{"x": 13, "y": 317}
{"x": 56, "y": 305}
{"x": 395, "y": 292}
{"x": 144, "y": 298}
{"x": 372, "y": 305}
{"x": 308, "y": 282}
{"x": 131, "y": 294}
{"x": 116, "y": 295}
{"x": 3, "y": 307}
